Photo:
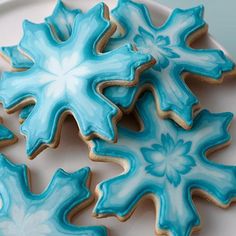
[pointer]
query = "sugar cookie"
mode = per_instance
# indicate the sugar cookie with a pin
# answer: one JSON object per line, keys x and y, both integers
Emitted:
{"x": 61, "y": 22}
{"x": 68, "y": 77}
{"x": 26, "y": 214}
{"x": 169, "y": 45}
{"x": 168, "y": 164}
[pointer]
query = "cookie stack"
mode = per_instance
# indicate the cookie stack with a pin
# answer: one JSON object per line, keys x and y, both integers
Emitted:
{"x": 85, "y": 65}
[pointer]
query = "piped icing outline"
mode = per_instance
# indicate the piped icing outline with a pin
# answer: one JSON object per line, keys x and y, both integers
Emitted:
{"x": 119, "y": 66}
{"x": 24, "y": 113}
{"x": 6, "y": 136}
{"x": 168, "y": 164}
{"x": 26, "y": 213}
{"x": 61, "y": 21}
{"x": 169, "y": 46}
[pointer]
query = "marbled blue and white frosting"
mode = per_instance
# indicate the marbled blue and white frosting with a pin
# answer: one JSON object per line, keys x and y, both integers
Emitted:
{"x": 26, "y": 214}
{"x": 67, "y": 77}
{"x": 61, "y": 21}
{"x": 169, "y": 46}
{"x": 167, "y": 162}
{"x": 6, "y": 136}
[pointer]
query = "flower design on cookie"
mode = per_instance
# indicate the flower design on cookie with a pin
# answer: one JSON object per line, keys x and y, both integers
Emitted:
{"x": 25, "y": 214}
{"x": 159, "y": 47}
{"x": 166, "y": 162}
{"x": 68, "y": 77}
{"x": 169, "y": 45}
{"x": 170, "y": 159}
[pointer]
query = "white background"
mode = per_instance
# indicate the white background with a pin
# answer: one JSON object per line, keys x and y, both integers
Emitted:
{"x": 72, "y": 154}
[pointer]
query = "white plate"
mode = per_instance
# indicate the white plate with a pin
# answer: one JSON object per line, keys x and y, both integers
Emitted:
{"x": 72, "y": 153}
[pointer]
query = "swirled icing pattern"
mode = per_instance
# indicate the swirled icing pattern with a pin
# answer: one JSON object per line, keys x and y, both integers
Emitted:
{"x": 66, "y": 77}
{"x": 168, "y": 45}
{"x": 6, "y": 136}
{"x": 25, "y": 214}
{"x": 168, "y": 162}
{"x": 61, "y": 21}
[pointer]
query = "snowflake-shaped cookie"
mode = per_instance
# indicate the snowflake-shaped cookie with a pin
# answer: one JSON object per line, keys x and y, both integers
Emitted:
{"x": 61, "y": 22}
{"x": 169, "y": 45}
{"x": 6, "y": 136}
{"x": 167, "y": 163}
{"x": 67, "y": 78}
{"x": 26, "y": 214}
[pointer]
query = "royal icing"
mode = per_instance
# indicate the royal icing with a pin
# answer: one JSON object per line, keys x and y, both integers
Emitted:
{"x": 24, "y": 113}
{"x": 167, "y": 162}
{"x": 6, "y": 136}
{"x": 169, "y": 46}
{"x": 25, "y": 214}
{"x": 61, "y": 21}
{"x": 67, "y": 77}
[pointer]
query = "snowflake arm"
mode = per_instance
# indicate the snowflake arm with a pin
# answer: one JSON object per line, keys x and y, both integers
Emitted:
{"x": 61, "y": 21}
{"x": 173, "y": 95}
{"x": 71, "y": 75}
{"x": 124, "y": 203}
{"x": 24, "y": 84}
{"x": 169, "y": 46}
{"x": 6, "y": 136}
{"x": 16, "y": 59}
{"x": 46, "y": 213}
{"x": 24, "y": 113}
{"x": 168, "y": 164}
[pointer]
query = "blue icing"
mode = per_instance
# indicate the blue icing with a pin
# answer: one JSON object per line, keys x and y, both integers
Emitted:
{"x": 168, "y": 45}
{"x": 168, "y": 162}
{"x": 16, "y": 58}
{"x": 25, "y": 213}
{"x": 66, "y": 76}
{"x": 6, "y": 136}
{"x": 24, "y": 113}
{"x": 163, "y": 51}
{"x": 5, "y": 133}
{"x": 169, "y": 158}
{"x": 61, "y": 21}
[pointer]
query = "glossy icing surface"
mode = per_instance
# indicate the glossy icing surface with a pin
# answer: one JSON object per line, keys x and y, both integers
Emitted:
{"x": 168, "y": 45}
{"x": 61, "y": 21}
{"x": 65, "y": 77}
{"x": 15, "y": 57}
{"x": 168, "y": 162}
{"x": 5, "y": 133}
{"x": 25, "y": 214}
{"x": 24, "y": 113}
